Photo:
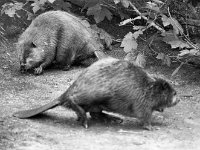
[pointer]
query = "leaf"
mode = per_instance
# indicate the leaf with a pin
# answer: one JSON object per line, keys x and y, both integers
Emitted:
{"x": 99, "y": 13}
{"x": 183, "y": 52}
{"x": 30, "y": 16}
{"x": 140, "y": 60}
{"x": 165, "y": 58}
{"x": 38, "y": 4}
{"x": 157, "y": 1}
{"x": 66, "y": 6}
{"x": 123, "y": 15}
{"x": 129, "y": 43}
{"x": 90, "y": 3}
{"x": 165, "y": 20}
{"x": 35, "y": 8}
{"x": 152, "y": 6}
{"x": 173, "y": 40}
{"x": 60, "y": 4}
{"x": 160, "y": 56}
{"x": 190, "y": 52}
{"x": 11, "y": 8}
{"x": 177, "y": 28}
{"x": 131, "y": 56}
{"x": 51, "y": 1}
{"x": 137, "y": 33}
{"x": 116, "y": 1}
{"x": 42, "y": 2}
{"x": 125, "y": 3}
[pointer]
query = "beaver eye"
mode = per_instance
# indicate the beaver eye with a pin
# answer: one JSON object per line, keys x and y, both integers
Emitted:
{"x": 174, "y": 93}
{"x": 33, "y": 45}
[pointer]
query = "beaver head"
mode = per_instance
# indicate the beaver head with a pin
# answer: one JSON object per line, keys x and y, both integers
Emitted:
{"x": 164, "y": 95}
{"x": 32, "y": 57}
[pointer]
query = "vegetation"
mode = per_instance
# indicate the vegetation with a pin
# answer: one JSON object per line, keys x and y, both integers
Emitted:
{"x": 174, "y": 22}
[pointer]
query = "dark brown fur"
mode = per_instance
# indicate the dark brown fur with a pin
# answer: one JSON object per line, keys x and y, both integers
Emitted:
{"x": 56, "y": 36}
{"x": 115, "y": 86}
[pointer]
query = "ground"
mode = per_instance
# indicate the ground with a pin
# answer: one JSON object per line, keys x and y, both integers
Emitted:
{"x": 178, "y": 127}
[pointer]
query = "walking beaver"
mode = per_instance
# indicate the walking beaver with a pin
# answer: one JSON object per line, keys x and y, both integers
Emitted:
{"x": 116, "y": 86}
{"x": 55, "y": 36}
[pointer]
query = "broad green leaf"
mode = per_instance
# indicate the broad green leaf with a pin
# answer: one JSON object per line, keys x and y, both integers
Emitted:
{"x": 116, "y": 1}
{"x": 157, "y": 1}
{"x": 30, "y": 16}
{"x": 190, "y": 52}
{"x": 140, "y": 60}
{"x": 137, "y": 33}
{"x": 165, "y": 58}
{"x": 153, "y": 6}
{"x": 184, "y": 52}
{"x": 123, "y": 15}
{"x": 99, "y": 13}
{"x": 165, "y": 20}
{"x": 174, "y": 41}
{"x": 36, "y": 7}
{"x": 11, "y": 8}
{"x": 90, "y": 3}
{"x": 51, "y": 1}
{"x": 129, "y": 43}
{"x": 125, "y": 3}
{"x": 42, "y": 2}
{"x": 160, "y": 56}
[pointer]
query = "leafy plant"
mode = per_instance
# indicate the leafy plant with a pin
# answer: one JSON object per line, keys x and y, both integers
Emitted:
{"x": 169, "y": 29}
{"x": 154, "y": 15}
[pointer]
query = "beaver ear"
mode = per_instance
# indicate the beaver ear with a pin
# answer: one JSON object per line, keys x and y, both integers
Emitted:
{"x": 161, "y": 85}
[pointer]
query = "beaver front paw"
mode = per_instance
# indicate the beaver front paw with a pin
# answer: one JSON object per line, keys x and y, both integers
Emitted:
{"x": 38, "y": 71}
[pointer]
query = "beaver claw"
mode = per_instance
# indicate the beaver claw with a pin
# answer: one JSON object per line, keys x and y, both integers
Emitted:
{"x": 38, "y": 71}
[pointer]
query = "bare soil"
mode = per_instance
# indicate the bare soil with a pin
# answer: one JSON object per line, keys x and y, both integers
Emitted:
{"x": 178, "y": 128}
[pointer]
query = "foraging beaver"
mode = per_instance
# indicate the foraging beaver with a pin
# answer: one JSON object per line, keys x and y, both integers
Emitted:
{"x": 113, "y": 85}
{"x": 56, "y": 36}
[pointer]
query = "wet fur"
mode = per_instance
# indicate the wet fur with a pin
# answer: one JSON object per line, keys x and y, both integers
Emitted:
{"x": 116, "y": 86}
{"x": 55, "y": 36}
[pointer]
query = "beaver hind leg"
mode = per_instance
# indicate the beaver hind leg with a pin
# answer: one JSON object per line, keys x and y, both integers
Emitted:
{"x": 81, "y": 114}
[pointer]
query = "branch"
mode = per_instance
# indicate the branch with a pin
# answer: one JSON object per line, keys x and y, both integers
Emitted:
{"x": 145, "y": 18}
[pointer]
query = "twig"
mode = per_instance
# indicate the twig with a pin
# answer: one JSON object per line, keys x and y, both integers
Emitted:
{"x": 145, "y": 18}
{"x": 187, "y": 39}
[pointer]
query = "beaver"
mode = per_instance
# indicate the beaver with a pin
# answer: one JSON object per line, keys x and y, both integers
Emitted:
{"x": 113, "y": 85}
{"x": 56, "y": 36}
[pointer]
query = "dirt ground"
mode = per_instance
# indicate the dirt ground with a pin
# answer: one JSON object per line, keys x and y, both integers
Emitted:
{"x": 57, "y": 129}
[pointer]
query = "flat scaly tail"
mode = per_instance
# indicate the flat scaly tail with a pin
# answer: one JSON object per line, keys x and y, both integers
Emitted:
{"x": 36, "y": 111}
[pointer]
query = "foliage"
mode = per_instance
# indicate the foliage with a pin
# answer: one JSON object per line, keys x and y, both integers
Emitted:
{"x": 158, "y": 16}
{"x": 154, "y": 14}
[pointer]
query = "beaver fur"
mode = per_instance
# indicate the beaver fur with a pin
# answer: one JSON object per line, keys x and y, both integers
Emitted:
{"x": 55, "y": 36}
{"x": 116, "y": 86}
